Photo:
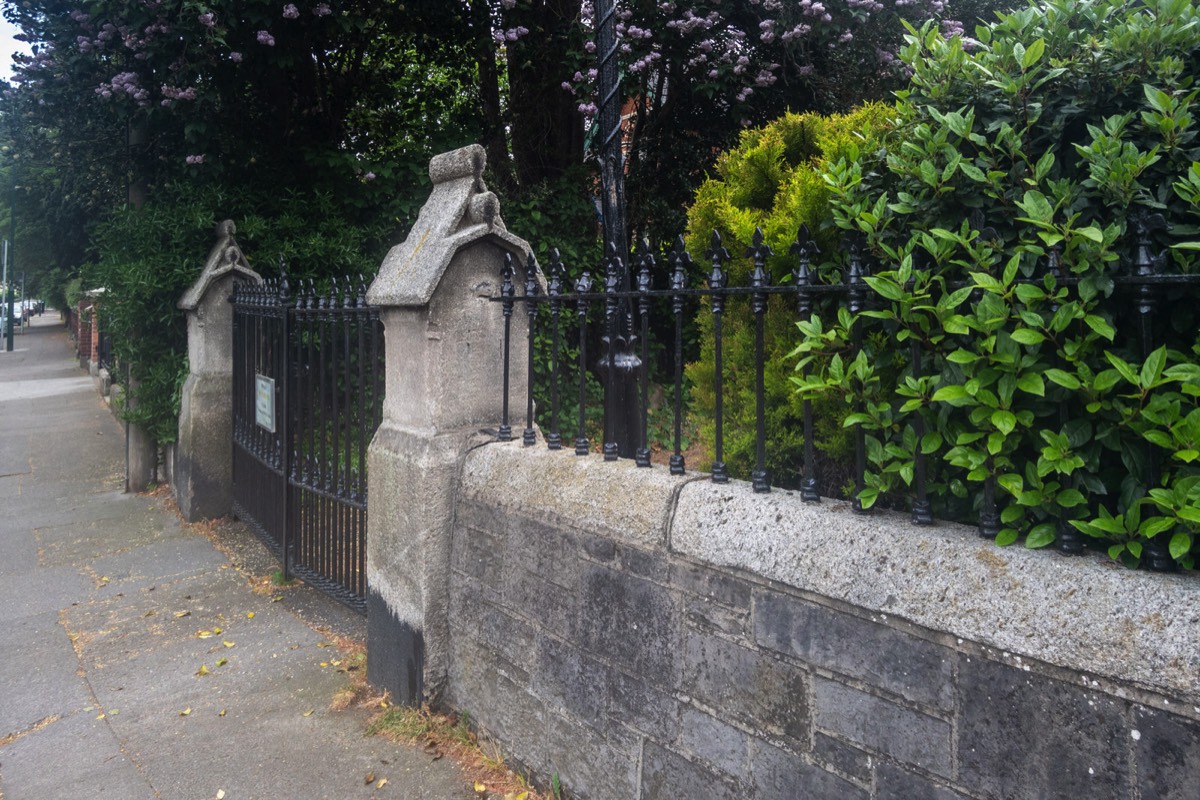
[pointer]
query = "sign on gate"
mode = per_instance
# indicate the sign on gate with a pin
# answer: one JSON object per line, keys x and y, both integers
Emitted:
{"x": 264, "y": 402}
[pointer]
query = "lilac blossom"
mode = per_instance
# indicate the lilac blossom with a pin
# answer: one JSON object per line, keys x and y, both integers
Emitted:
{"x": 207, "y": 19}
{"x": 322, "y": 10}
{"x": 196, "y": 159}
{"x": 290, "y": 11}
{"x": 265, "y": 37}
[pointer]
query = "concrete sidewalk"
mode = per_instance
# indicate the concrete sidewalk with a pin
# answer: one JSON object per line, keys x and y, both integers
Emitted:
{"x": 104, "y": 602}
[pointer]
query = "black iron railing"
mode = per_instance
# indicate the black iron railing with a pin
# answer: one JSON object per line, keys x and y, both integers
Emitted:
{"x": 308, "y": 397}
{"x": 1140, "y": 281}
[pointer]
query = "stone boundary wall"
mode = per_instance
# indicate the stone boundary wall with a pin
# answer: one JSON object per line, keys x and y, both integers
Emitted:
{"x": 658, "y": 638}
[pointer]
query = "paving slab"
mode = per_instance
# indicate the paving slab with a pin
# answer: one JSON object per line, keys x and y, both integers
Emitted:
{"x": 112, "y": 606}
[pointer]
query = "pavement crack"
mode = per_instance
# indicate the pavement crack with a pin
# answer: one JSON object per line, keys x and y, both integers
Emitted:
{"x": 45, "y": 722}
{"x": 78, "y": 640}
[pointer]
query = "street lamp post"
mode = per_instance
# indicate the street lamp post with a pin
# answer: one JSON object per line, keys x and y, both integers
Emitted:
{"x": 619, "y": 364}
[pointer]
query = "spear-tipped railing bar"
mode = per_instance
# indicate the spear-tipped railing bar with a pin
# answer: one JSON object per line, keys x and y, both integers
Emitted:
{"x": 583, "y": 286}
{"x": 645, "y": 264}
{"x": 681, "y": 265}
{"x": 717, "y": 281}
{"x": 281, "y": 351}
{"x": 1069, "y": 540}
{"x": 1158, "y": 553}
{"x": 759, "y": 279}
{"x": 857, "y": 302}
{"x": 558, "y": 272}
{"x": 507, "y": 293}
{"x": 805, "y": 249}
{"x": 528, "y": 437}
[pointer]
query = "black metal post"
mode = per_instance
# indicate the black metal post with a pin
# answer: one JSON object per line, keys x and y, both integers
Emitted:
{"x": 12, "y": 246}
{"x": 620, "y": 390}
{"x": 805, "y": 248}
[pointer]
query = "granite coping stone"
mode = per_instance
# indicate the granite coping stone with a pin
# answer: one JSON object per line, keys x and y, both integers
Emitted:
{"x": 1085, "y": 614}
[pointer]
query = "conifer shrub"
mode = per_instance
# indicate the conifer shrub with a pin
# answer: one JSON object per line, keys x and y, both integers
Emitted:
{"x": 772, "y": 180}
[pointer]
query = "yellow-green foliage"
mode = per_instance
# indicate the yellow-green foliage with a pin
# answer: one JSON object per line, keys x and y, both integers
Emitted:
{"x": 771, "y": 180}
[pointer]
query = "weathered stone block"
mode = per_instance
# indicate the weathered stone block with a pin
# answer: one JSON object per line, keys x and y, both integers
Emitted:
{"x": 880, "y": 725}
{"x": 549, "y": 554}
{"x": 589, "y": 765}
{"x": 552, "y": 608}
{"x": 779, "y": 775}
{"x": 711, "y": 584}
{"x": 480, "y": 516}
{"x": 893, "y": 782}
{"x": 666, "y": 775}
{"x": 479, "y": 554}
{"x": 750, "y": 686}
{"x": 721, "y": 745}
{"x": 598, "y": 548}
{"x": 1167, "y": 753}
{"x": 635, "y": 703}
{"x": 1023, "y": 736}
{"x": 473, "y": 615}
{"x": 877, "y": 654}
{"x": 565, "y": 679}
{"x": 707, "y": 615}
{"x": 644, "y": 563}
{"x": 630, "y": 621}
{"x": 841, "y": 757}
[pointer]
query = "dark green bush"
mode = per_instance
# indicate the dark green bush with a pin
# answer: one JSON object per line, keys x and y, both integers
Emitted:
{"x": 146, "y": 258}
{"x": 1065, "y": 125}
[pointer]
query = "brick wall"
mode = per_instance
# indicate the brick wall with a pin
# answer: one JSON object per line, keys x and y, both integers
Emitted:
{"x": 636, "y": 671}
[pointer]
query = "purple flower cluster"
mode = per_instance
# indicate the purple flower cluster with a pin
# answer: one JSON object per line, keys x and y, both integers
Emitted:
{"x": 195, "y": 160}
{"x": 124, "y": 83}
{"x": 265, "y": 37}
{"x": 170, "y": 93}
{"x": 207, "y": 19}
{"x": 322, "y": 10}
{"x": 290, "y": 11}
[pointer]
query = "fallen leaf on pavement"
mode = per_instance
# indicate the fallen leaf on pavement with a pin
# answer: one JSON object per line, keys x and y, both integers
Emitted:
{"x": 221, "y": 713}
{"x": 309, "y": 712}
{"x": 205, "y": 634}
{"x": 200, "y": 673}
{"x": 370, "y": 778}
{"x": 186, "y": 711}
{"x": 382, "y": 783}
{"x": 228, "y": 643}
{"x": 179, "y": 614}
{"x": 222, "y": 662}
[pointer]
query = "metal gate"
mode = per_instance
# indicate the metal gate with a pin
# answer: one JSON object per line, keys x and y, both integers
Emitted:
{"x": 307, "y": 398}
